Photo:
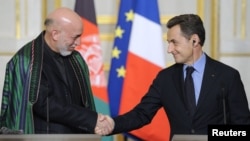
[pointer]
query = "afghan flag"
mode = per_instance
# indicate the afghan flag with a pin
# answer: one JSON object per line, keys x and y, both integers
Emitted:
{"x": 91, "y": 51}
{"x": 137, "y": 57}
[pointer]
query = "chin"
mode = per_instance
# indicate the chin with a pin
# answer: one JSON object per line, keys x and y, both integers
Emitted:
{"x": 66, "y": 53}
{"x": 177, "y": 61}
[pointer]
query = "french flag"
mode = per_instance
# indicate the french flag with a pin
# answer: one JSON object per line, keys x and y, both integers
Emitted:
{"x": 138, "y": 55}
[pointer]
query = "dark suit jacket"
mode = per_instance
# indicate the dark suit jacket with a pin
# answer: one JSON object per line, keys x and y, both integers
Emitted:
{"x": 57, "y": 109}
{"x": 167, "y": 91}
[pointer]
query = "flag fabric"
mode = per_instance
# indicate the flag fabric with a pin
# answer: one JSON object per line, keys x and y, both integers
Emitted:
{"x": 137, "y": 57}
{"x": 91, "y": 51}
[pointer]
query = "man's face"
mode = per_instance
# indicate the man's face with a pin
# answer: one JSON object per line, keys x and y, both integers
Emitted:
{"x": 180, "y": 47}
{"x": 68, "y": 40}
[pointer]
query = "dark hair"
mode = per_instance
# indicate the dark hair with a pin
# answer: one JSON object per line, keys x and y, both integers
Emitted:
{"x": 189, "y": 24}
{"x": 48, "y": 22}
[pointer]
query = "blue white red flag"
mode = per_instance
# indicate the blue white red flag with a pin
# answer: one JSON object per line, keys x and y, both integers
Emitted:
{"x": 137, "y": 57}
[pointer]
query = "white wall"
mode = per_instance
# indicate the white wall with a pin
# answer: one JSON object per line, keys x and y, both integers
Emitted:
{"x": 234, "y": 38}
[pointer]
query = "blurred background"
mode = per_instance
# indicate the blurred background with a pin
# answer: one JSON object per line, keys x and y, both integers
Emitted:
{"x": 226, "y": 22}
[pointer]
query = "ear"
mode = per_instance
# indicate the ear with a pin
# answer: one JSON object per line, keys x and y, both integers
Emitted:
{"x": 195, "y": 39}
{"x": 55, "y": 35}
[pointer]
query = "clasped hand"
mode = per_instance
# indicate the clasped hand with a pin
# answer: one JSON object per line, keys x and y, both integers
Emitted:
{"x": 104, "y": 125}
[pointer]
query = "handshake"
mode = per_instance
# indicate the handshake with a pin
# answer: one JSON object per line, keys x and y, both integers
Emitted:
{"x": 104, "y": 125}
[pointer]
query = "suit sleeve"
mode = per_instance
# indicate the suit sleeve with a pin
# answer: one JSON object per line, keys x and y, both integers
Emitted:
{"x": 142, "y": 113}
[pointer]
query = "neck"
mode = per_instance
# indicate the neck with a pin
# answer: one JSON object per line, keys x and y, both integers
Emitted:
{"x": 197, "y": 52}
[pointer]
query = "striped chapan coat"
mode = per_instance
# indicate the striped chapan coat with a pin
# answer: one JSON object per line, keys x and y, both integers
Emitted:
{"x": 21, "y": 85}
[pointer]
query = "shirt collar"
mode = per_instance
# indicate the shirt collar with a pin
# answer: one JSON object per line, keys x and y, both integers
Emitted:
{"x": 199, "y": 65}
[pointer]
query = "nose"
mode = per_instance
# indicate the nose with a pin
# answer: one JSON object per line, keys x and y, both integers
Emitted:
{"x": 78, "y": 41}
{"x": 170, "y": 47}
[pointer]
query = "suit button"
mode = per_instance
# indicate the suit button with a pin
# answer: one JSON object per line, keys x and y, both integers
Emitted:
{"x": 192, "y": 131}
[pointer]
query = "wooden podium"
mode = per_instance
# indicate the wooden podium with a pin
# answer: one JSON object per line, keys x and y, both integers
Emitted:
{"x": 189, "y": 138}
{"x": 50, "y": 137}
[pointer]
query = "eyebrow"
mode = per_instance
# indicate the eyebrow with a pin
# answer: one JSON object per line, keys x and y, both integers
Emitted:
{"x": 172, "y": 40}
{"x": 76, "y": 36}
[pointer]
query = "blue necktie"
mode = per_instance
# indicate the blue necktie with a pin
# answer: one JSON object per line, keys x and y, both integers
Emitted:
{"x": 189, "y": 90}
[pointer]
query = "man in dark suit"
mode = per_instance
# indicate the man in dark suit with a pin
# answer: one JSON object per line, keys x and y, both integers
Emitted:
{"x": 214, "y": 82}
{"x": 47, "y": 87}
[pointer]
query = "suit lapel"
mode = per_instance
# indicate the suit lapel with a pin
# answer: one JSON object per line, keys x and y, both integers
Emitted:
{"x": 178, "y": 80}
{"x": 209, "y": 78}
